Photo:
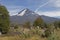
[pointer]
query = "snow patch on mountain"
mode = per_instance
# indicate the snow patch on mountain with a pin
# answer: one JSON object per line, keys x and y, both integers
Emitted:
{"x": 22, "y": 13}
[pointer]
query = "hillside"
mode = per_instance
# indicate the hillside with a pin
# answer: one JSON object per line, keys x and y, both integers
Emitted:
{"x": 28, "y": 15}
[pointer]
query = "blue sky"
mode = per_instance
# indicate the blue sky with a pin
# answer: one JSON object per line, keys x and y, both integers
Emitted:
{"x": 43, "y": 7}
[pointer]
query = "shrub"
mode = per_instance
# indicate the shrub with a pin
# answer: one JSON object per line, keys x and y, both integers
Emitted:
{"x": 16, "y": 27}
{"x": 27, "y": 24}
{"x": 49, "y": 30}
{"x": 57, "y": 24}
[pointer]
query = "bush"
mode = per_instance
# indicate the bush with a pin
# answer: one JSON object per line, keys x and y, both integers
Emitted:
{"x": 16, "y": 27}
{"x": 49, "y": 30}
{"x": 57, "y": 24}
{"x": 27, "y": 24}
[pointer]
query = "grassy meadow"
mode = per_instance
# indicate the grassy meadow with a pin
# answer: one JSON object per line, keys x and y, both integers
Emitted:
{"x": 29, "y": 34}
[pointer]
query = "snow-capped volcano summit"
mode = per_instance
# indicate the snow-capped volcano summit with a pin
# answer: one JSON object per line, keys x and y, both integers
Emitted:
{"x": 24, "y": 15}
{"x": 25, "y": 12}
{"x": 22, "y": 12}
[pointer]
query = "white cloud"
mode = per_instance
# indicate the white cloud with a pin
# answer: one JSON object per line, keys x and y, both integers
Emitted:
{"x": 13, "y": 12}
{"x": 51, "y": 14}
{"x": 13, "y": 9}
{"x": 55, "y": 3}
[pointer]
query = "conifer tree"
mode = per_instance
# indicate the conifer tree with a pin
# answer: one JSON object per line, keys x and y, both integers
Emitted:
{"x": 38, "y": 22}
{"x": 4, "y": 19}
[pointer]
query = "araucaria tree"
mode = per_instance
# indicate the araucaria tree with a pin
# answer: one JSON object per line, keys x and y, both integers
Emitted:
{"x": 4, "y": 20}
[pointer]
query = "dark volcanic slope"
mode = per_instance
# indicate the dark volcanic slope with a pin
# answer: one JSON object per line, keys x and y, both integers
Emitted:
{"x": 49, "y": 19}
